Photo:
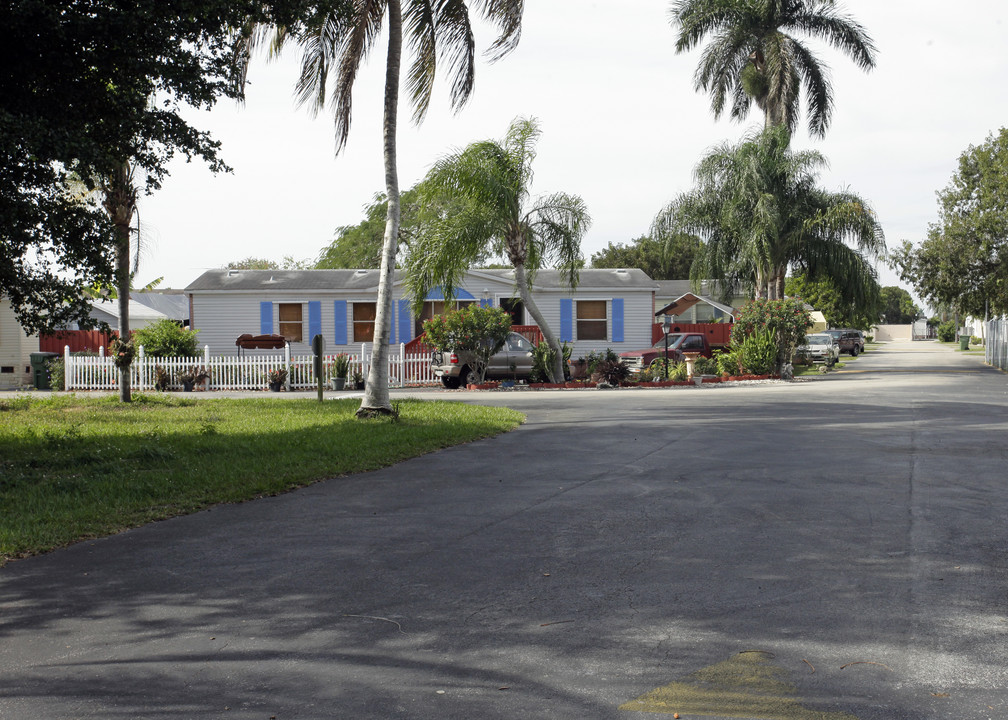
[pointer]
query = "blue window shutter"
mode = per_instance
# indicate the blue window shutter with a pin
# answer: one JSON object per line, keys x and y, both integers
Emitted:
{"x": 566, "y": 320}
{"x": 486, "y": 302}
{"x": 314, "y": 319}
{"x": 617, "y": 319}
{"x": 405, "y": 329}
{"x": 265, "y": 318}
{"x": 340, "y": 325}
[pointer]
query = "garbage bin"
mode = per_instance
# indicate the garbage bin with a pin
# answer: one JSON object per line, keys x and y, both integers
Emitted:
{"x": 40, "y": 373}
{"x": 964, "y": 342}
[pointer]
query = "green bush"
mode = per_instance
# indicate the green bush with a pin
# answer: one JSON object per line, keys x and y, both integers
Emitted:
{"x": 679, "y": 372}
{"x": 607, "y": 366}
{"x": 473, "y": 332}
{"x": 786, "y": 320}
{"x": 57, "y": 373}
{"x": 728, "y": 364}
{"x": 166, "y": 338}
{"x": 542, "y": 361}
{"x": 947, "y": 331}
{"x": 758, "y": 352}
{"x": 705, "y": 366}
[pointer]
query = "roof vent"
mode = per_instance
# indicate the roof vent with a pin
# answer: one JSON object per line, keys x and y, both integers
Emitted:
{"x": 232, "y": 273}
{"x": 361, "y": 272}
{"x": 621, "y": 271}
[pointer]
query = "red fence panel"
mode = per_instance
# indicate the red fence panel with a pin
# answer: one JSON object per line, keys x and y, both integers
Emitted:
{"x": 77, "y": 340}
{"x": 718, "y": 334}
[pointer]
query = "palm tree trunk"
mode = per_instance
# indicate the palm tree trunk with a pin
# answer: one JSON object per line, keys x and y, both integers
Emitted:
{"x": 376, "y": 392}
{"x": 120, "y": 204}
{"x": 521, "y": 280}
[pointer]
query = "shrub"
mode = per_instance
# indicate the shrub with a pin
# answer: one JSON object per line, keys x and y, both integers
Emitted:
{"x": 166, "y": 338}
{"x": 474, "y": 333}
{"x": 728, "y": 364}
{"x": 679, "y": 372}
{"x": 57, "y": 373}
{"x": 786, "y": 320}
{"x": 705, "y": 366}
{"x": 607, "y": 366}
{"x": 656, "y": 371}
{"x": 758, "y": 352}
{"x": 947, "y": 331}
{"x": 542, "y": 361}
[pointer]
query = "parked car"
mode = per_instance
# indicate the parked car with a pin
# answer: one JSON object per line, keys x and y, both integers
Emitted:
{"x": 454, "y": 368}
{"x": 678, "y": 344}
{"x": 820, "y": 347}
{"x": 850, "y": 341}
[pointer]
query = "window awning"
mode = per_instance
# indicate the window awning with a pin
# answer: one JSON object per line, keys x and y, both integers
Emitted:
{"x": 436, "y": 293}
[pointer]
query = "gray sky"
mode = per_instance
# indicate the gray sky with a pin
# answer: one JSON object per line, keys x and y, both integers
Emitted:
{"x": 622, "y": 127}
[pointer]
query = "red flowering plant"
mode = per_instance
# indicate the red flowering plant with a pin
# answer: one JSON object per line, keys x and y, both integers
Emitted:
{"x": 787, "y": 320}
{"x": 473, "y": 333}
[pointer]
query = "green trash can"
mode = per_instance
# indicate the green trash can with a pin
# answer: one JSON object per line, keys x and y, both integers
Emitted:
{"x": 964, "y": 342}
{"x": 40, "y": 373}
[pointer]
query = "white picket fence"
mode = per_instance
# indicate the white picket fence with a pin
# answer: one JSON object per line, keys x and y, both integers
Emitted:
{"x": 230, "y": 372}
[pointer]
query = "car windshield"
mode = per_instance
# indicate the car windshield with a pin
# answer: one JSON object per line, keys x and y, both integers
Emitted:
{"x": 673, "y": 340}
{"x": 819, "y": 340}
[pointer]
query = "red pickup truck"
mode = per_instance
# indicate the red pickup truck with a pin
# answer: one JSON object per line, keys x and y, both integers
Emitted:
{"x": 678, "y": 344}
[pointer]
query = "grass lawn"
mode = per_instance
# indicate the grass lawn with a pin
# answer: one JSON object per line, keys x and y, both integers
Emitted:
{"x": 73, "y": 468}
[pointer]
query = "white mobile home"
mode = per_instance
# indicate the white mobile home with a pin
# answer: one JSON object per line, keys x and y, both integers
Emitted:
{"x": 609, "y": 308}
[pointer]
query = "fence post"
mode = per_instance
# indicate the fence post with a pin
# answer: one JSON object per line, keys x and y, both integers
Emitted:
{"x": 141, "y": 368}
{"x": 67, "y": 370}
{"x": 206, "y": 366}
{"x": 402, "y": 364}
{"x": 287, "y": 361}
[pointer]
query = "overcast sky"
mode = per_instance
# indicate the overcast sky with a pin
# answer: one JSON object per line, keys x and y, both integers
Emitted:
{"x": 622, "y": 126}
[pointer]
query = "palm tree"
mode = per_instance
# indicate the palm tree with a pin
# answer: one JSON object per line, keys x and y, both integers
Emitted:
{"x": 119, "y": 197}
{"x": 488, "y": 184}
{"x": 753, "y": 54}
{"x": 758, "y": 211}
{"x": 340, "y": 38}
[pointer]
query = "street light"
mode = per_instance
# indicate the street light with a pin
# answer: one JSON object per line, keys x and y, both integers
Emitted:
{"x": 666, "y": 326}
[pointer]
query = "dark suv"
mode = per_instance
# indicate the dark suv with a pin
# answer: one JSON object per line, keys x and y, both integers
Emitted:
{"x": 850, "y": 341}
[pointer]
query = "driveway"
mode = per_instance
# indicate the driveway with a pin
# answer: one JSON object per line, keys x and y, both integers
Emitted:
{"x": 827, "y": 549}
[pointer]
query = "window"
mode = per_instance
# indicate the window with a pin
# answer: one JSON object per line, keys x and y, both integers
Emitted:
{"x": 693, "y": 343}
{"x": 432, "y": 308}
{"x": 515, "y": 308}
{"x": 364, "y": 314}
{"x": 592, "y": 323}
{"x": 290, "y": 321}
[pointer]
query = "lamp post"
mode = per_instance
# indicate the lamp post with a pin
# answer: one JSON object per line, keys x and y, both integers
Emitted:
{"x": 666, "y": 326}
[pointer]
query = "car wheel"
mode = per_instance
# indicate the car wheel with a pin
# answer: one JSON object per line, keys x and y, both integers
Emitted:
{"x": 449, "y": 382}
{"x": 854, "y": 351}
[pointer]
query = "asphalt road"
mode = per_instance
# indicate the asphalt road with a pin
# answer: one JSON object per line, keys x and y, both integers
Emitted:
{"x": 822, "y": 550}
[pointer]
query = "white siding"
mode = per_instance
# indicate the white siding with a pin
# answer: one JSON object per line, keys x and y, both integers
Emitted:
{"x": 16, "y": 348}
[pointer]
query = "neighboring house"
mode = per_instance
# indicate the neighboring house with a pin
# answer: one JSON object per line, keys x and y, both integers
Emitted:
{"x": 140, "y": 315}
{"x": 609, "y": 308}
{"x": 671, "y": 294}
{"x": 16, "y": 347}
{"x": 173, "y": 304}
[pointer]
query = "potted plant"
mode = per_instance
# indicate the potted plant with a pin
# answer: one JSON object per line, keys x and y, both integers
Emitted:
{"x": 340, "y": 371}
{"x": 188, "y": 378}
{"x": 200, "y": 376}
{"x": 276, "y": 378}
